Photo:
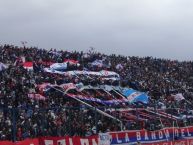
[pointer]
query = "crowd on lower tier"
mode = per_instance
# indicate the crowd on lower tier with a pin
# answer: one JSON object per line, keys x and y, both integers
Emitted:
{"x": 60, "y": 115}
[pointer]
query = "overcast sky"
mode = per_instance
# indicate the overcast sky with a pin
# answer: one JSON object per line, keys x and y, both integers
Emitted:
{"x": 158, "y": 28}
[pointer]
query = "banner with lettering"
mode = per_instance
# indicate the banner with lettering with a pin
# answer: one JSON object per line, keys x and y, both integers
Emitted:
{"x": 93, "y": 140}
{"x": 63, "y": 142}
{"x": 144, "y": 136}
{"x": 127, "y": 137}
{"x": 166, "y": 136}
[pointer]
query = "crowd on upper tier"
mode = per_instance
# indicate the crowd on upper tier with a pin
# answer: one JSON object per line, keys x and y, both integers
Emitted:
{"x": 58, "y": 116}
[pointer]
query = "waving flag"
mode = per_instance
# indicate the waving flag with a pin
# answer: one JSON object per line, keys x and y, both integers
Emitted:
{"x": 59, "y": 66}
{"x": 98, "y": 63}
{"x": 178, "y": 97}
{"x": 2, "y": 66}
{"x": 28, "y": 65}
{"x": 134, "y": 96}
{"x": 119, "y": 66}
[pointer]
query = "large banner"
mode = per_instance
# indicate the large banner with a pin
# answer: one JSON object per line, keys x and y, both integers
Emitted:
{"x": 103, "y": 73}
{"x": 127, "y": 137}
{"x": 166, "y": 136}
{"x": 62, "y": 142}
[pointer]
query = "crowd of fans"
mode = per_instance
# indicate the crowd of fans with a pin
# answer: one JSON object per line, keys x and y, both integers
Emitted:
{"x": 59, "y": 115}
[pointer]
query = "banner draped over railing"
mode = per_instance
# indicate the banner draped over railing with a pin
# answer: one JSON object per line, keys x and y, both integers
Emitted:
{"x": 164, "y": 136}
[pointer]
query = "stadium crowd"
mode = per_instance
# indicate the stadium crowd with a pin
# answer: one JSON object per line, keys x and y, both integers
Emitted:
{"x": 59, "y": 115}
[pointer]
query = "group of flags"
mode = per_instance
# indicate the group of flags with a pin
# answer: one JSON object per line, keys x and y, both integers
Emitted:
{"x": 133, "y": 96}
{"x": 130, "y": 95}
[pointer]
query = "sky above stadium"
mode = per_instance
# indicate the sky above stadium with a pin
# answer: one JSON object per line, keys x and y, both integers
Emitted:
{"x": 158, "y": 28}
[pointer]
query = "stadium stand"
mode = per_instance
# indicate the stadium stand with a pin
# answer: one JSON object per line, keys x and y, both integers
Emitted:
{"x": 57, "y": 93}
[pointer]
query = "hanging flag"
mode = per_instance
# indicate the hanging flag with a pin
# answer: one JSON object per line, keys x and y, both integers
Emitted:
{"x": 106, "y": 75}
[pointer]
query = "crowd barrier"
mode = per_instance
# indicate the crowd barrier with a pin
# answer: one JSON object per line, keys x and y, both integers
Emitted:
{"x": 166, "y": 136}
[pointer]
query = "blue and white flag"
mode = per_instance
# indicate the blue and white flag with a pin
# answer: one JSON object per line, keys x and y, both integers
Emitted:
{"x": 59, "y": 66}
{"x": 134, "y": 96}
{"x": 98, "y": 63}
